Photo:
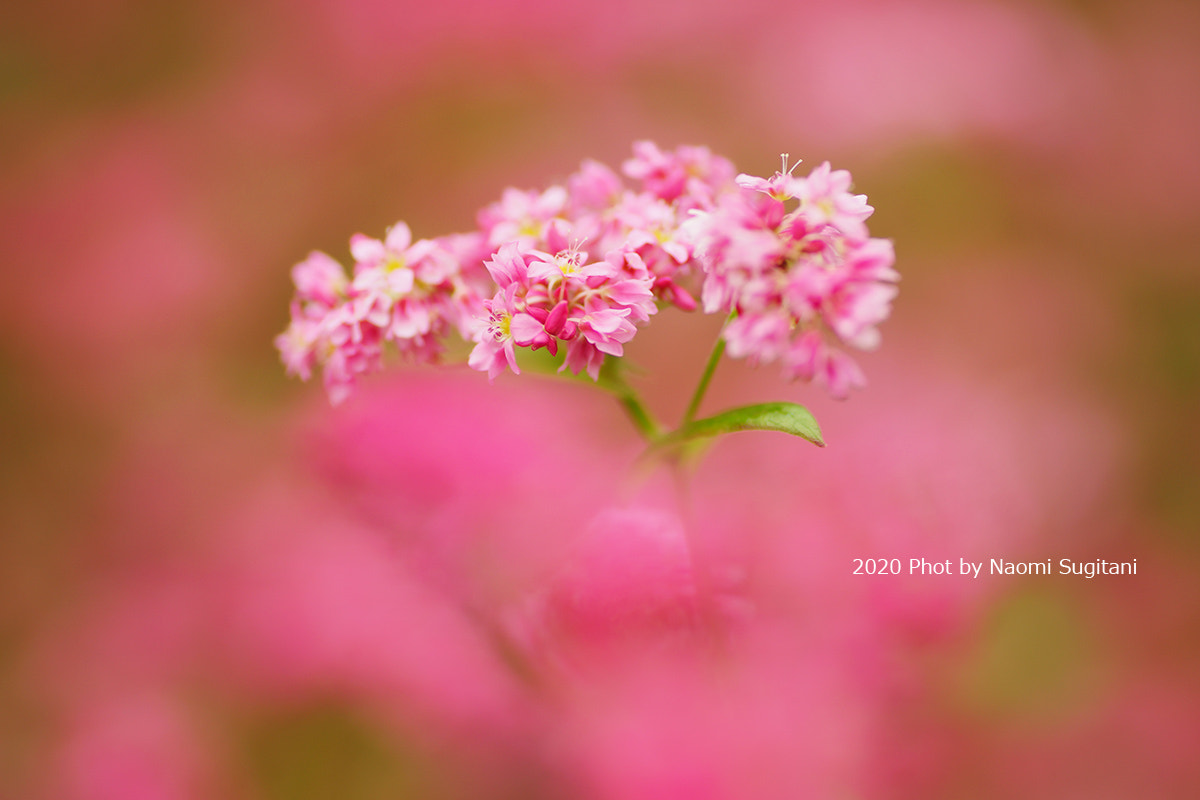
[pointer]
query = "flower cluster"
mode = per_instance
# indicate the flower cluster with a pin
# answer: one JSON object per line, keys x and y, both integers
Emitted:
{"x": 581, "y": 265}
{"x": 545, "y": 299}
{"x": 798, "y": 283}
{"x": 410, "y": 294}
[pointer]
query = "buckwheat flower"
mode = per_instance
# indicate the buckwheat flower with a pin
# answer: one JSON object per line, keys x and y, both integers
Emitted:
{"x": 593, "y": 188}
{"x": 319, "y": 279}
{"x": 376, "y": 289}
{"x": 584, "y": 356}
{"x": 779, "y": 186}
{"x": 758, "y": 337}
{"x": 522, "y": 216}
{"x": 566, "y": 269}
{"x": 494, "y": 351}
{"x": 803, "y": 284}
{"x": 321, "y": 286}
{"x": 825, "y": 199}
{"x": 409, "y": 294}
{"x": 349, "y": 346}
{"x": 856, "y": 308}
{"x": 663, "y": 272}
{"x": 417, "y": 291}
{"x": 469, "y": 250}
{"x": 605, "y": 327}
{"x": 649, "y": 228}
{"x": 297, "y": 345}
{"x": 631, "y": 284}
{"x": 494, "y": 348}
{"x": 738, "y": 248}
{"x": 510, "y": 323}
{"x": 544, "y": 300}
{"x": 691, "y": 175}
{"x": 388, "y": 253}
{"x": 654, "y": 223}
{"x": 811, "y": 358}
{"x": 381, "y": 274}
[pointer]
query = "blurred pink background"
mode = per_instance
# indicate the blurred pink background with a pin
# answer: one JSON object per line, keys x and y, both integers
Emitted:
{"x": 214, "y": 585}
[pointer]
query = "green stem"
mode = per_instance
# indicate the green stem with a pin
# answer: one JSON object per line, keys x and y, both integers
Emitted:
{"x": 613, "y": 381}
{"x": 701, "y": 388}
{"x": 639, "y": 416}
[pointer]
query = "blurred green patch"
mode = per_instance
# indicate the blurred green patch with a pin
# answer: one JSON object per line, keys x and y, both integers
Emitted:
{"x": 94, "y": 56}
{"x": 937, "y": 201}
{"x": 1159, "y": 372}
{"x": 55, "y": 455}
{"x": 1036, "y": 659}
{"x": 328, "y": 751}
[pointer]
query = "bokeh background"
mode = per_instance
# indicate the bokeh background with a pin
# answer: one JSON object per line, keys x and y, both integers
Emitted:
{"x": 214, "y": 585}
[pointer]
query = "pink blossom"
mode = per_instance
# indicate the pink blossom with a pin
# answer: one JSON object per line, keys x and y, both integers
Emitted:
{"x": 626, "y": 584}
{"x": 297, "y": 345}
{"x": 758, "y": 337}
{"x": 547, "y": 299}
{"x": 691, "y": 171}
{"x": 583, "y": 266}
{"x": 522, "y": 217}
{"x": 825, "y": 200}
{"x": 370, "y": 253}
{"x": 319, "y": 279}
{"x": 594, "y": 188}
{"x": 802, "y": 283}
{"x": 654, "y": 233}
{"x": 344, "y": 337}
{"x": 494, "y": 350}
{"x": 353, "y": 347}
{"x": 606, "y": 217}
{"x": 779, "y": 186}
{"x": 582, "y": 356}
{"x": 409, "y": 294}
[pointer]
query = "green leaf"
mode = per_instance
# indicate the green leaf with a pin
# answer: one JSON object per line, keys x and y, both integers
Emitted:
{"x": 784, "y": 417}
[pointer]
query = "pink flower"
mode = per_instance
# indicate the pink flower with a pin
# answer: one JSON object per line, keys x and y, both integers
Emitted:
{"x": 810, "y": 357}
{"x": 692, "y": 175}
{"x": 409, "y": 294}
{"x": 547, "y": 299}
{"x": 825, "y": 199}
{"x": 779, "y": 186}
{"x": 390, "y": 253}
{"x": 758, "y": 337}
{"x": 320, "y": 279}
{"x": 649, "y": 223}
{"x": 802, "y": 283}
{"x": 494, "y": 350}
{"x": 297, "y": 345}
{"x": 594, "y": 188}
{"x": 626, "y": 584}
{"x": 522, "y": 217}
{"x": 583, "y": 266}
